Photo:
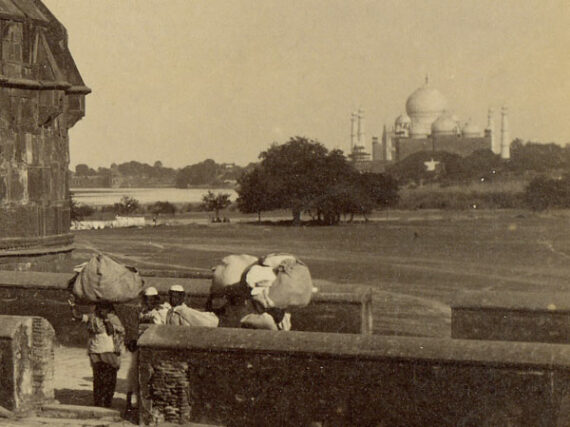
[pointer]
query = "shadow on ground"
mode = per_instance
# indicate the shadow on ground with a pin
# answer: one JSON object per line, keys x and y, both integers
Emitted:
{"x": 67, "y": 396}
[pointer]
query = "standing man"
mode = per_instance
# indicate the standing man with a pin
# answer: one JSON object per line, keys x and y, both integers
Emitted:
{"x": 106, "y": 335}
{"x": 153, "y": 313}
{"x": 182, "y": 315}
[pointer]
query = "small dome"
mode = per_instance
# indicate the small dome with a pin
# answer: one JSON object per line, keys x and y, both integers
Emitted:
{"x": 444, "y": 125}
{"x": 471, "y": 130}
{"x": 403, "y": 119}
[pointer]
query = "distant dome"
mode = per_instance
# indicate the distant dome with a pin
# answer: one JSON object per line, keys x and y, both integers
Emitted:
{"x": 403, "y": 119}
{"x": 444, "y": 125}
{"x": 471, "y": 130}
{"x": 424, "y": 106}
{"x": 425, "y": 100}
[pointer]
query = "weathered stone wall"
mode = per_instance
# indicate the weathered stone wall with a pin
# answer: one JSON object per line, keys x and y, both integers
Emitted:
{"x": 460, "y": 145}
{"x": 265, "y": 378}
{"x": 46, "y": 295}
{"x": 511, "y": 316}
{"x": 27, "y": 362}
{"x": 41, "y": 98}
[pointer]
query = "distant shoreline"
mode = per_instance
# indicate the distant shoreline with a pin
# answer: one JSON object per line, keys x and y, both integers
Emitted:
{"x": 194, "y": 187}
{"x": 144, "y": 195}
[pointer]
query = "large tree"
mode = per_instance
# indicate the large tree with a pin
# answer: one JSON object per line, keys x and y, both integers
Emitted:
{"x": 255, "y": 194}
{"x": 302, "y": 175}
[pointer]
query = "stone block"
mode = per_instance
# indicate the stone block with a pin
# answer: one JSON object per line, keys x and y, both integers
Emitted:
{"x": 27, "y": 362}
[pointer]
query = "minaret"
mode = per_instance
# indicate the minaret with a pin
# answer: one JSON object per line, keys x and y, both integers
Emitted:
{"x": 352, "y": 131}
{"x": 505, "y": 143}
{"x": 376, "y": 149}
{"x": 384, "y": 144}
{"x": 495, "y": 147}
{"x": 389, "y": 148}
{"x": 361, "y": 135}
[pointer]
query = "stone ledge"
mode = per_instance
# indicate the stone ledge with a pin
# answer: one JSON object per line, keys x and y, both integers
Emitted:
{"x": 79, "y": 412}
{"x": 354, "y": 346}
{"x": 523, "y": 301}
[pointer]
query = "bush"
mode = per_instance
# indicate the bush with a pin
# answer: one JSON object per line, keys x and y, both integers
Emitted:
{"x": 458, "y": 200}
{"x": 80, "y": 211}
{"x": 126, "y": 206}
{"x": 544, "y": 193}
{"x": 166, "y": 208}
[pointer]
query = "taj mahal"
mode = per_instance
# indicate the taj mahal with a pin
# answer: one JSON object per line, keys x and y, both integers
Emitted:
{"x": 428, "y": 125}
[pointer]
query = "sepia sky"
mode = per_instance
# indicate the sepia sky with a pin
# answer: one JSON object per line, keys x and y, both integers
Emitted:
{"x": 184, "y": 80}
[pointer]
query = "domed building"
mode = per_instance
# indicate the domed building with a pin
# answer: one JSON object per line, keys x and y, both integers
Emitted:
{"x": 42, "y": 95}
{"x": 428, "y": 125}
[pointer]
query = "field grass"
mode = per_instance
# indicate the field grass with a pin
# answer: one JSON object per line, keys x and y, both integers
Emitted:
{"x": 414, "y": 261}
{"x": 481, "y": 195}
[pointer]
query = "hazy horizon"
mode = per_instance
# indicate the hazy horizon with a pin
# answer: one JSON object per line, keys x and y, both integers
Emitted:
{"x": 181, "y": 81}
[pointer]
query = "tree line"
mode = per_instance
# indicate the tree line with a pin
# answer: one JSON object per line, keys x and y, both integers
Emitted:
{"x": 303, "y": 176}
{"x": 133, "y": 173}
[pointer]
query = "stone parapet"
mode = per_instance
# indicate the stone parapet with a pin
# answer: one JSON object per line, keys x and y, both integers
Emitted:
{"x": 265, "y": 378}
{"x": 511, "y": 316}
{"x": 46, "y": 294}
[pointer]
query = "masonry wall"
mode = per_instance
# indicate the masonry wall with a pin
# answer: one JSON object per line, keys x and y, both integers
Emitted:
{"x": 41, "y": 98}
{"x": 448, "y": 143}
{"x": 512, "y": 316}
{"x": 27, "y": 362}
{"x": 265, "y": 378}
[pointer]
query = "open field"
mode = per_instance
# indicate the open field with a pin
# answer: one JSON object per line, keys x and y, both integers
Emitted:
{"x": 414, "y": 261}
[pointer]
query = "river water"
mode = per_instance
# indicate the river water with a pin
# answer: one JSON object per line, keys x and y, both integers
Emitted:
{"x": 109, "y": 196}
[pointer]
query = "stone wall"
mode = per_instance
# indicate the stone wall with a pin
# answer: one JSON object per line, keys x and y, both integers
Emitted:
{"x": 512, "y": 316}
{"x": 265, "y": 378}
{"x": 42, "y": 96}
{"x": 46, "y": 294}
{"x": 27, "y": 362}
{"x": 462, "y": 146}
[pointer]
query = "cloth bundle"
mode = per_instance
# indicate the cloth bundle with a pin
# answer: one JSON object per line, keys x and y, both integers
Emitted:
{"x": 275, "y": 280}
{"x": 103, "y": 280}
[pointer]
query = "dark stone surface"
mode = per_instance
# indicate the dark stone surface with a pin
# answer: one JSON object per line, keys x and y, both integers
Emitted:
{"x": 511, "y": 316}
{"x": 265, "y": 378}
{"x": 41, "y": 98}
{"x": 27, "y": 362}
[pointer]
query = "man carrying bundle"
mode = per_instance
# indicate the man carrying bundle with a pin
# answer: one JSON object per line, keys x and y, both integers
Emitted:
{"x": 182, "y": 315}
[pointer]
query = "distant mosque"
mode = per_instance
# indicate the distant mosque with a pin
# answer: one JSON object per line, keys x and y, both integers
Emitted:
{"x": 426, "y": 126}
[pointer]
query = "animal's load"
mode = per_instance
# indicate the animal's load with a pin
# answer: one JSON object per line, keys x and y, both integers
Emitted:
{"x": 103, "y": 280}
{"x": 230, "y": 271}
{"x": 291, "y": 286}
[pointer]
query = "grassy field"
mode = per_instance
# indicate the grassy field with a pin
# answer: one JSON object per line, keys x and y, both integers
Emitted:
{"x": 415, "y": 261}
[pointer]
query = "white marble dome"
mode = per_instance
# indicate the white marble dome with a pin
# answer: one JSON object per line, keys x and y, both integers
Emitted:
{"x": 424, "y": 106}
{"x": 444, "y": 125}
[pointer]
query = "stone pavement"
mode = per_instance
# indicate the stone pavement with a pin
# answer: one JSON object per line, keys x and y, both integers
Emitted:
{"x": 74, "y": 378}
{"x": 74, "y": 386}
